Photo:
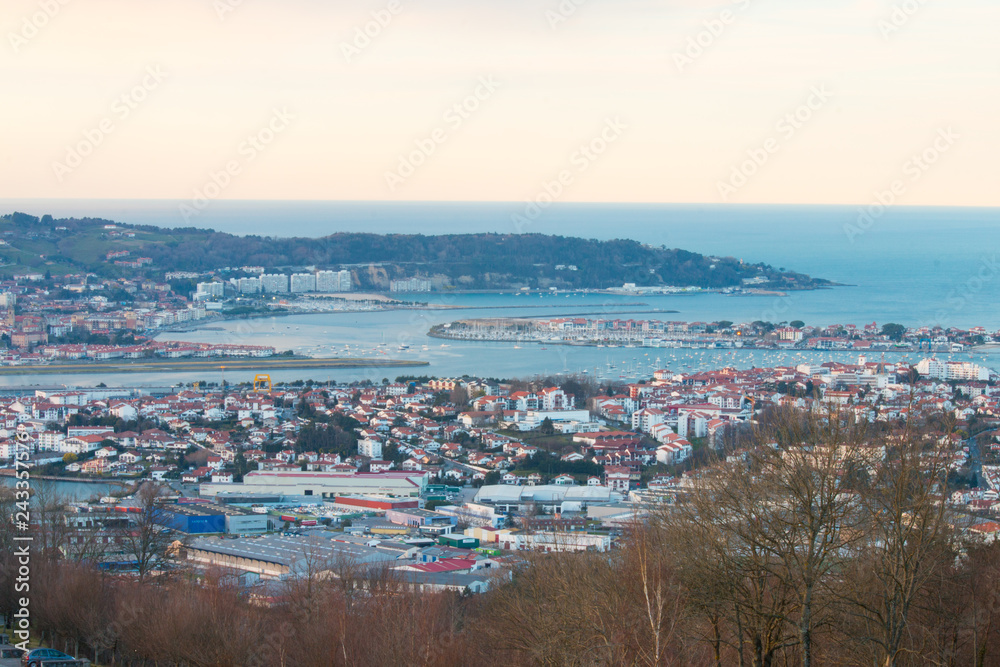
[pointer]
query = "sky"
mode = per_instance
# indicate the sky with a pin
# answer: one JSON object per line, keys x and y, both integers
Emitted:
{"x": 753, "y": 101}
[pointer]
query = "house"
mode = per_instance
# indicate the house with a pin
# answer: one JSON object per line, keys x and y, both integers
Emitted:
{"x": 986, "y": 531}
{"x": 124, "y": 411}
{"x": 159, "y": 473}
{"x": 219, "y": 477}
{"x": 196, "y": 475}
{"x": 618, "y": 478}
{"x": 95, "y": 466}
{"x": 81, "y": 444}
{"x": 563, "y": 480}
{"x": 125, "y": 438}
{"x": 674, "y": 450}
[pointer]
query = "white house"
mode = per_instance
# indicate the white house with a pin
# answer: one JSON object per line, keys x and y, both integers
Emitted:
{"x": 124, "y": 411}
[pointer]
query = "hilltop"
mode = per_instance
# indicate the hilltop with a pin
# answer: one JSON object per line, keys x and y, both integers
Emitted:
{"x": 459, "y": 261}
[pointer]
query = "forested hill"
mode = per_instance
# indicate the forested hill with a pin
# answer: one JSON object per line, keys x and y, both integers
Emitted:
{"x": 461, "y": 261}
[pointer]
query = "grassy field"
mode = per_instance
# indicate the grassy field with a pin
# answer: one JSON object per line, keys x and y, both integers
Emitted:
{"x": 180, "y": 365}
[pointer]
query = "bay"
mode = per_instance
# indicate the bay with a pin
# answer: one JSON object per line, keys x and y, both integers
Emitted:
{"x": 914, "y": 266}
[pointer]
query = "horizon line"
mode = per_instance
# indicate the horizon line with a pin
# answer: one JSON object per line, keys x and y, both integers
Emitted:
{"x": 507, "y": 202}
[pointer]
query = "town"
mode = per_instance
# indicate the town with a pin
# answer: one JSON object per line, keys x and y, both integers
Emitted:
{"x": 795, "y": 335}
{"x": 464, "y": 463}
{"x": 49, "y": 319}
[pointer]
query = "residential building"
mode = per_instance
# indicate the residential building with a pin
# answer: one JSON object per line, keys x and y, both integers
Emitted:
{"x": 274, "y": 283}
{"x": 303, "y": 282}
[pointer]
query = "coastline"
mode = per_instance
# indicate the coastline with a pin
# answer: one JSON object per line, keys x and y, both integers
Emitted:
{"x": 391, "y": 304}
{"x": 188, "y": 365}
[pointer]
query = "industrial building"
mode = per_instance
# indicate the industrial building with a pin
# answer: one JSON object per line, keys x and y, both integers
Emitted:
{"x": 513, "y": 540}
{"x": 275, "y": 556}
{"x": 327, "y": 485}
{"x": 418, "y": 518}
{"x": 370, "y": 503}
{"x": 548, "y": 497}
{"x": 196, "y": 518}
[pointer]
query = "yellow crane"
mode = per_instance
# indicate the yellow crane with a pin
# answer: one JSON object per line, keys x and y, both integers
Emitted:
{"x": 262, "y": 383}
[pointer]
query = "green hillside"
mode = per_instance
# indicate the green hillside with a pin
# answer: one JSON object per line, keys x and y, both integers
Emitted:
{"x": 465, "y": 261}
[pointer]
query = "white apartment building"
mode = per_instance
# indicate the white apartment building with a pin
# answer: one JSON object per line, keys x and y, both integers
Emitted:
{"x": 647, "y": 418}
{"x": 274, "y": 283}
{"x": 303, "y": 282}
{"x": 411, "y": 285}
{"x": 249, "y": 285}
{"x": 370, "y": 448}
{"x": 953, "y": 370}
{"x": 333, "y": 281}
{"x": 211, "y": 290}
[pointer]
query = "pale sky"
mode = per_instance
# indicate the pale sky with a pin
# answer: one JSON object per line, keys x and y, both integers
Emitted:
{"x": 675, "y": 125}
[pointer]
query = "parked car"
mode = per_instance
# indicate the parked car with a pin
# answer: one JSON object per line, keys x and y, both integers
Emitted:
{"x": 34, "y": 657}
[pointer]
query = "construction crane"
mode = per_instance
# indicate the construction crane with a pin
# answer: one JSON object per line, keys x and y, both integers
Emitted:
{"x": 262, "y": 381}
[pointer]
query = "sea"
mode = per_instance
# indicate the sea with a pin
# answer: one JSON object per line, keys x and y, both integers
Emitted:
{"x": 913, "y": 266}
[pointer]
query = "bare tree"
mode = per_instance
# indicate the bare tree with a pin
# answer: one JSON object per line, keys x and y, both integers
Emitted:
{"x": 49, "y": 512}
{"x": 145, "y": 538}
{"x": 764, "y": 534}
{"x": 662, "y": 602}
{"x": 906, "y": 541}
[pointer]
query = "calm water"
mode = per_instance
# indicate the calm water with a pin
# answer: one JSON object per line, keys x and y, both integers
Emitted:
{"x": 69, "y": 490}
{"x": 915, "y": 266}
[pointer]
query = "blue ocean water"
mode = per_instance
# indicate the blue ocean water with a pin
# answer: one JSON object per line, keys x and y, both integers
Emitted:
{"x": 911, "y": 265}
{"x": 915, "y": 266}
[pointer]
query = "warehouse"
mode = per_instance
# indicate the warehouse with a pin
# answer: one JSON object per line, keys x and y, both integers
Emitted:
{"x": 325, "y": 485}
{"x": 377, "y": 503}
{"x": 198, "y": 518}
{"x": 418, "y": 518}
{"x": 276, "y": 556}
{"x": 549, "y": 497}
